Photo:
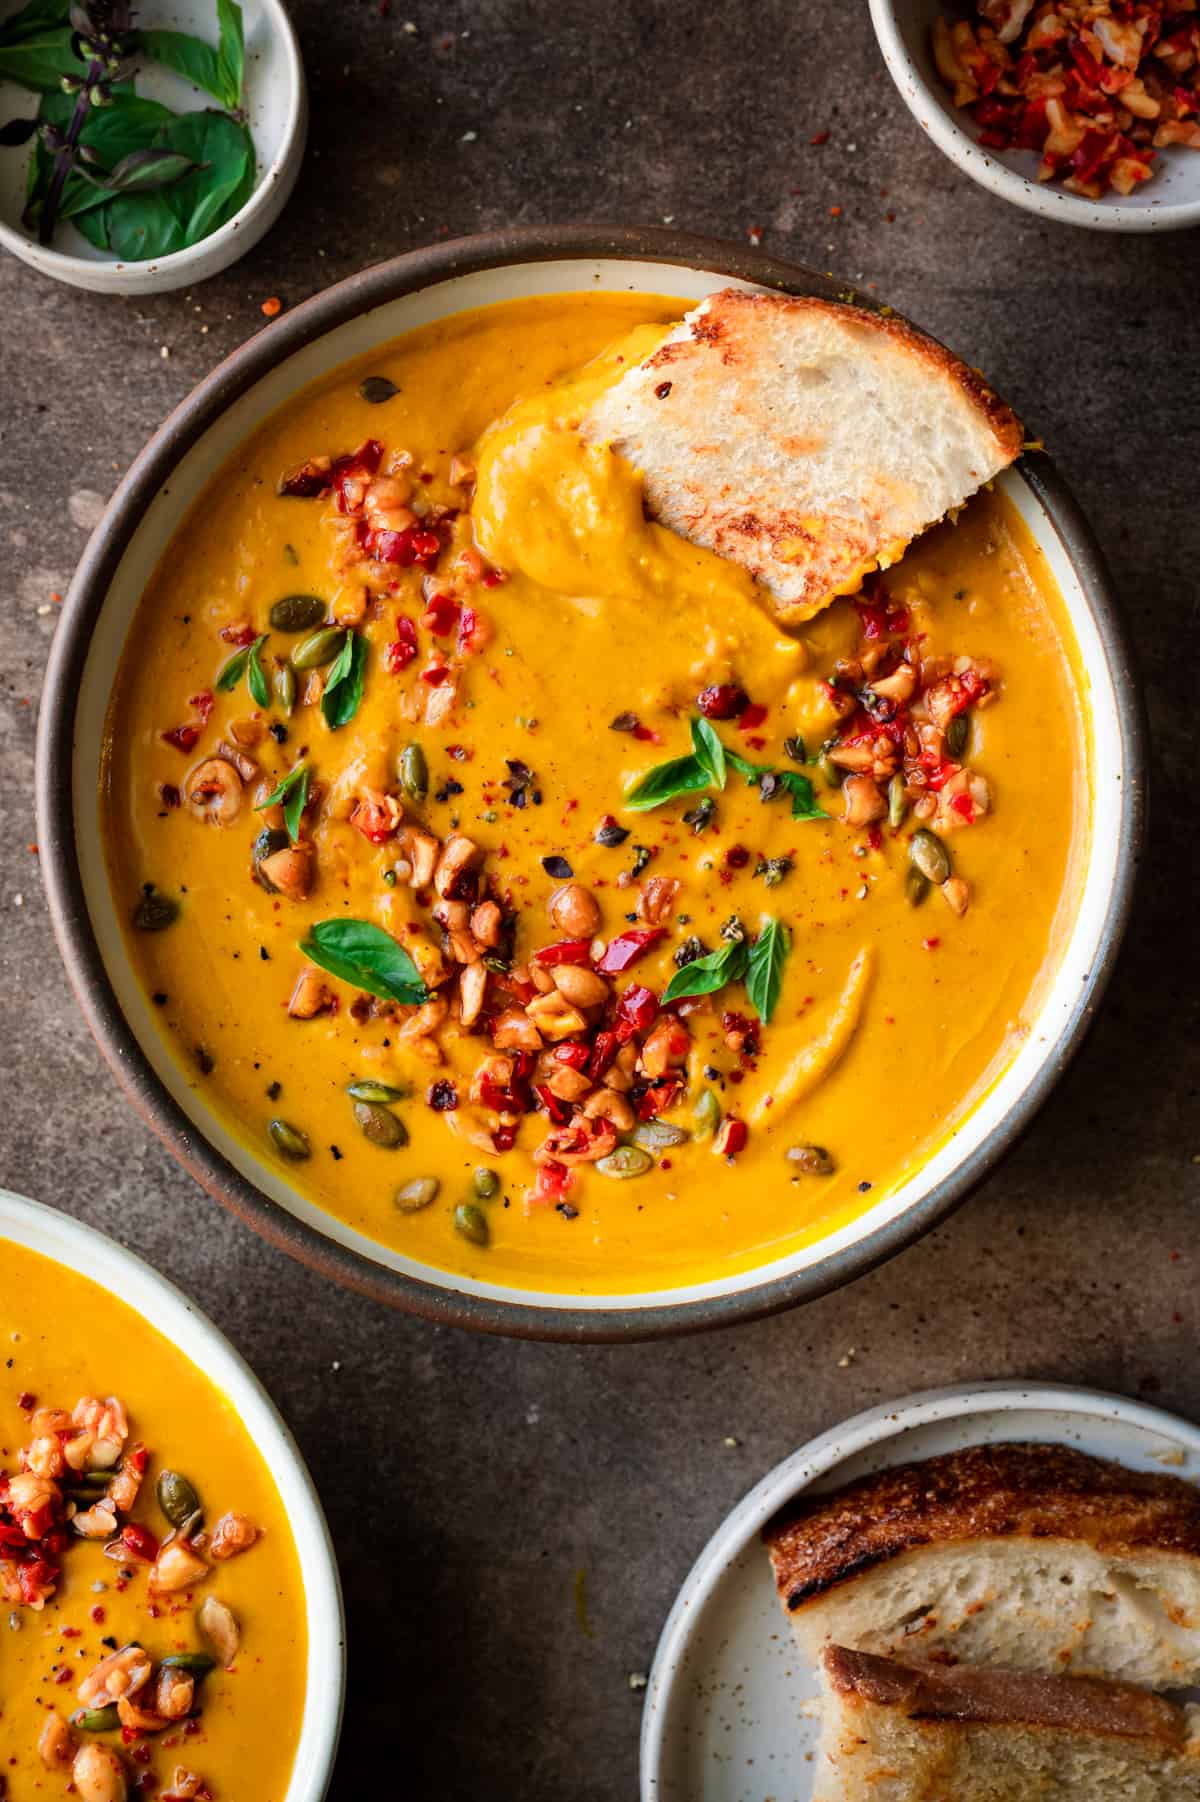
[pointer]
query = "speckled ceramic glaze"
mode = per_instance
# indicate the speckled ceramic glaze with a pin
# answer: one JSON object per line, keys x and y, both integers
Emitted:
{"x": 146, "y": 509}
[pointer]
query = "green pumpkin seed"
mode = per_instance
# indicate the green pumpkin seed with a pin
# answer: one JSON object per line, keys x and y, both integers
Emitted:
{"x": 814, "y": 1160}
{"x": 297, "y": 613}
{"x": 318, "y": 649}
{"x": 471, "y": 1223}
{"x": 289, "y": 1140}
{"x": 377, "y": 389}
{"x": 831, "y": 771}
{"x": 916, "y": 887}
{"x": 177, "y": 1497}
{"x": 283, "y": 684}
{"x": 929, "y": 855}
{"x": 381, "y": 1127}
{"x": 155, "y": 912}
{"x": 417, "y": 1194}
{"x": 625, "y": 1161}
{"x": 96, "y": 1720}
{"x": 485, "y": 1183}
{"x": 957, "y": 734}
{"x": 706, "y": 1114}
{"x": 414, "y": 772}
{"x": 269, "y": 840}
{"x": 897, "y": 801}
{"x": 197, "y": 1664}
{"x": 367, "y": 1090}
{"x": 658, "y": 1135}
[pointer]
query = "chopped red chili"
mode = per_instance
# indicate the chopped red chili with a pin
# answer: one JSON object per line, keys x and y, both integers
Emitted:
{"x": 627, "y": 948}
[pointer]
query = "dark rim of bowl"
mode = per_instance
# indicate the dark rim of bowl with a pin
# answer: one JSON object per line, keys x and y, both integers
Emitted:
{"x": 434, "y": 1300}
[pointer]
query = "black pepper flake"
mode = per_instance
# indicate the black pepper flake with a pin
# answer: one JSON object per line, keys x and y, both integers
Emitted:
{"x": 863, "y": 1187}
{"x": 264, "y": 954}
{"x": 204, "y": 1061}
{"x": 159, "y": 998}
{"x": 443, "y": 1096}
{"x": 274, "y": 1091}
{"x": 642, "y": 856}
{"x": 567, "y": 1211}
{"x": 624, "y": 722}
{"x": 558, "y": 867}
{"x": 336, "y": 1154}
{"x": 448, "y": 789}
{"x": 519, "y": 783}
{"x": 278, "y": 731}
{"x": 688, "y": 952}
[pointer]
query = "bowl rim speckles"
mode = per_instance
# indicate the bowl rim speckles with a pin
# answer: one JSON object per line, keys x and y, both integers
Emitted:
{"x": 1146, "y": 210}
{"x": 70, "y": 1242}
{"x": 726, "y": 1689}
{"x": 343, "y": 321}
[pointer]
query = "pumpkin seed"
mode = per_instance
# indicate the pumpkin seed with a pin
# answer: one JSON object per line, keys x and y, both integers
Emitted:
{"x": 269, "y": 840}
{"x": 658, "y": 1135}
{"x": 289, "y": 1140}
{"x": 414, "y": 772}
{"x": 929, "y": 855}
{"x": 417, "y": 1194}
{"x": 625, "y": 1161}
{"x": 318, "y": 648}
{"x": 176, "y": 1496}
{"x": 218, "y": 1625}
{"x": 297, "y": 613}
{"x": 831, "y": 771}
{"x": 814, "y": 1160}
{"x": 471, "y": 1223}
{"x": 155, "y": 912}
{"x": 379, "y": 1125}
{"x": 368, "y": 1090}
{"x": 283, "y": 682}
{"x": 96, "y": 1720}
{"x": 198, "y": 1664}
{"x": 897, "y": 801}
{"x": 916, "y": 887}
{"x": 957, "y": 734}
{"x": 377, "y": 389}
{"x": 485, "y": 1183}
{"x": 706, "y": 1114}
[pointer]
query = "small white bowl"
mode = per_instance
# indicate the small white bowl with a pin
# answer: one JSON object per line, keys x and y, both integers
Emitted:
{"x": 101, "y": 1260}
{"x": 276, "y": 102}
{"x": 1169, "y": 201}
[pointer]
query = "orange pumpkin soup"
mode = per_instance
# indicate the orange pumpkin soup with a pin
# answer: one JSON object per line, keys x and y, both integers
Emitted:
{"x": 506, "y": 874}
{"x": 151, "y": 1608}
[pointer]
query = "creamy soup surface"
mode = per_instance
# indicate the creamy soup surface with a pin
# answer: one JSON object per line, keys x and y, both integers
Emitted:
{"x": 402, "y": 692}
{"x": 152, "y": 1620}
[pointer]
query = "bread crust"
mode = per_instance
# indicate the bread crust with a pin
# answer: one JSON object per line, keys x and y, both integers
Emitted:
{"x": 974, "y": 1695}
{"x": 1008, "y": 1491}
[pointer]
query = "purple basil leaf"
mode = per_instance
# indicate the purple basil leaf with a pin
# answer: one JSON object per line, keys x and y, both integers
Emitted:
{"x": 144, "y": 170}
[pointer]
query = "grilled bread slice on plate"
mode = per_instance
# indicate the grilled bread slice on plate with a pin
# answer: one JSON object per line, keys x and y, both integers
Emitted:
{"x": 902, "y": 1732}
{"x": 806, "y": 440}
{"x": 1031, "y": 1557}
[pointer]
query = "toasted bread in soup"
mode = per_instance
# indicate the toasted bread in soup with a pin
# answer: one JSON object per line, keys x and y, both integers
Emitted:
{"x": 897, "y": 1732}
{"x": 805, "y": 440}
{"x": 1035, "y": 1557}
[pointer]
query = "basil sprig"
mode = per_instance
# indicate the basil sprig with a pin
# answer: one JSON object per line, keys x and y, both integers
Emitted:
{"x": 758, "y": 964}
{"x": 708, "y": 767}
{"x": 367, "y": 957}
{"x": 344, "y": 685}
{"x": 218, "y": 72}
{"x": 247, "y": 662}
{"x": 292, "y": 796}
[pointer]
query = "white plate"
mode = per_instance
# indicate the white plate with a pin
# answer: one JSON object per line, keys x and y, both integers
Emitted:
{"x": 724, "y": 1718}
{"x": 67, "y": 1241}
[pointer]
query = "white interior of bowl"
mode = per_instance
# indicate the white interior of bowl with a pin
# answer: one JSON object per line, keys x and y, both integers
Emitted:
{"x": 1040, "y": 1048}
{"x": 275, "y": 112}
{"x": 1169, "y": 200}
{"x": 80, "y": 1248}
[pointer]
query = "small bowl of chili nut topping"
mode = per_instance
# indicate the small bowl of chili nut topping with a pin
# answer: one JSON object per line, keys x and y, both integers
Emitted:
{"x": 1086, "y": 111}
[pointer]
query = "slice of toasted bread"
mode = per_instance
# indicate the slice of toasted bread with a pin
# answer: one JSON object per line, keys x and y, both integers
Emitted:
{"x": 807, "y": 441}
{"x": 1036, "y": 1557}
{"x": 900, "y": 1732}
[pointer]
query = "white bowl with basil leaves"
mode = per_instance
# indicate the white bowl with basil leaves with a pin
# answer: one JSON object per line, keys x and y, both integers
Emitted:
{"x": 143, "y": 154}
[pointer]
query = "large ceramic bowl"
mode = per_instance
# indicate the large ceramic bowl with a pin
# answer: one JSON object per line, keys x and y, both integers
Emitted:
{"x": 145, "y": 511}
{"x": 78, "y": 1247}
{"x": 1170, "y": 201}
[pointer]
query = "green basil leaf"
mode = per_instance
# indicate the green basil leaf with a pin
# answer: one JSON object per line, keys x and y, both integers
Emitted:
{"x": 743, "y": 766}
{"x": 40, "y": 60}
{"x": 764, "y": 971}
{"x": 232, "y": 672}
{"x": 709, "y": 751}
{"x": 344, "y": 688}
{"x": 190, "y": 57}
{"x": 33, "y": 18}
{"x": 256, "y": 680}
{"x": 704, "y": 975}
{"x": 144, "y": 171}
{"x": 292, "y": 796}
{"x": 231, "y": 53}
{"x": 804, "y": 800}
{"x": 681, "y": 776}
{"x": 366, "y": 956}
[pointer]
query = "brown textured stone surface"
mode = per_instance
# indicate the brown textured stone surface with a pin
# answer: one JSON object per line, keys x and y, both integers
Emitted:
{"x": 468, "y": 1482}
